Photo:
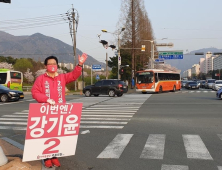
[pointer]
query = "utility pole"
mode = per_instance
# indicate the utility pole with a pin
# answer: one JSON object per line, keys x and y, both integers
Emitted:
{"x": 74, "y": 39}
{"x": 107, "y": 65}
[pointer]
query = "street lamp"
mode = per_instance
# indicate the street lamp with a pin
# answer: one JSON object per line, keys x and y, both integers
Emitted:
{"x": 119, "y": 57}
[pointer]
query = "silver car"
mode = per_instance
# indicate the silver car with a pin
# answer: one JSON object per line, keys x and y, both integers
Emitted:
{"x": 217, "y": 85}
{"x": 209, "y": 83}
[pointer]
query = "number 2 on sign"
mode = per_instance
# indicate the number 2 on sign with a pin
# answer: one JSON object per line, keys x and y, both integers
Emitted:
{"x": 49, "y": 149}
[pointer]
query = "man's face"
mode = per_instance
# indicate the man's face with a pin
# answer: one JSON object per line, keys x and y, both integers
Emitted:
{"x": 51, "y": 62}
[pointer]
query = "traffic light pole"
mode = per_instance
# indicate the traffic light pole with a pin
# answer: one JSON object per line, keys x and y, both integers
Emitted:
{"x": 119, "y": 58}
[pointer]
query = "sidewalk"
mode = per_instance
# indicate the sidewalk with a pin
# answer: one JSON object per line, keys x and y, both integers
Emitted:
{"x": 14, "y": 156}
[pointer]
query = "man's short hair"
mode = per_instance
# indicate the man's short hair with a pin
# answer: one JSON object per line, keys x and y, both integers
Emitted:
{"x": 50, "y": 57}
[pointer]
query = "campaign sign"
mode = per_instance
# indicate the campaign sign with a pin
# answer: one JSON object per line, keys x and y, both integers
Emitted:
{"x": 52, "y": 131}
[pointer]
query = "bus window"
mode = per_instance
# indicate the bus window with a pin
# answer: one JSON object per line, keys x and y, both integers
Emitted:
{"x": 156, "y": 78}
{"x": 15, "y": 77}
{"x": 145, "y": 77}
{"x": 3, "y": 77}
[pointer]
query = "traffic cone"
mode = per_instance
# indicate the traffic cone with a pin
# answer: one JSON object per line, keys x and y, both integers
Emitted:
{"x": 3, "y": 158}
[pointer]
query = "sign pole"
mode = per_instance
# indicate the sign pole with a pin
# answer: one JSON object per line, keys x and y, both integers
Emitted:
{"x": 91, "y": 75}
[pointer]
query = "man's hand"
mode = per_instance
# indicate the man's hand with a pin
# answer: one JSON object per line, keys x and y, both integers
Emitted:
{"x": 82, "y": 58}
{"x": 51, "y": 101}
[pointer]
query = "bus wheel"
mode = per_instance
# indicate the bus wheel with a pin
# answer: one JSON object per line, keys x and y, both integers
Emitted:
{"x": 160, "y": 89}
{"x": 4, "y": 98}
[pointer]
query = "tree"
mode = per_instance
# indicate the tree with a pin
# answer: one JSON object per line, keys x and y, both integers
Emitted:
{"x": 28, "y": 76}
{"x": 138, "y": 28}
{"x": 22, "y": 65}
{"x": 6, "y": 65}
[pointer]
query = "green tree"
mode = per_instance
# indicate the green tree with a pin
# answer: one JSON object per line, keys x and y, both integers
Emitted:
{"x": 23, "y": 64}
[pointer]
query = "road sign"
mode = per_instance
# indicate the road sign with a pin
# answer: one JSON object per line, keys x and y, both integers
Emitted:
{"x": 164, "y": 45}
{"x": 97, "y": 77}
{"x": 96, "y": 67}
{"x": 119, "y": 60}
{"x": 159, "y": 61}
{"x": 168, "y": 55}
{"x": 143, "y": 48}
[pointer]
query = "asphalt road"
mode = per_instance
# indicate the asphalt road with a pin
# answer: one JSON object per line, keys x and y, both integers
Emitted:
{"x": 168, "y": 131}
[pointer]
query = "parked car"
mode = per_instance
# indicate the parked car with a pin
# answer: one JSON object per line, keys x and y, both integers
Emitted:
{"x": 7, "y": 94}
{"x": 109, "y": 87}
{"x": 191, "y": 85}
{"x": 183, "y": 83}
{"x": 209, "y": 83}
{"x": 217, "y": 85}
{"x": 202, "y": 83}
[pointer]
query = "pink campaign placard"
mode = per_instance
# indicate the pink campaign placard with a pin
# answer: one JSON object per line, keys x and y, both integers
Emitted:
{"x": 52, "y": 131}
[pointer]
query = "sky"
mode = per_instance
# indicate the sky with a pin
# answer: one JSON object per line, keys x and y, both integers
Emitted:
{"x": 188, "y": 24}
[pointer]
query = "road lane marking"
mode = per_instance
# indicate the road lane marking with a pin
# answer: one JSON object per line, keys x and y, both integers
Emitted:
{"x": 154, "y": 147}
{"x": 12, "y": 128}
{"x": 220, "y": 136}
{"x": 116, "y": 146}
{"x": 219, "y": 167}
{"x": 102, "y": 127}
{"x": 13, "y": 123}
{"x": 104, "y": 115}
{"x": 174, "y": 167}
{"x": 100, "y": 110}
{"x": 104, "y": 119}
{"x": 103, "y": 122}
{"x": 195, "y": 147}
{"x": 30, "y": 100}
{"x": 13, "y": 116}
{"x": 12, "y": 119}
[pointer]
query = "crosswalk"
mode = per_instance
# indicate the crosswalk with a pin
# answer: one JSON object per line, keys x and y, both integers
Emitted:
{"x": 97, "y": 113}
{"x": 154, "y": 148}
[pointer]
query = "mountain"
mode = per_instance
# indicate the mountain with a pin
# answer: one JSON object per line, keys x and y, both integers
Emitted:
{"x": 190, "y": 58}
{"x": 38, "y": 47}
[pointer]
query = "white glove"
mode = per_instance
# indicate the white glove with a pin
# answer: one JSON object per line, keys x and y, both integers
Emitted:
{"x": 51, "y": 101}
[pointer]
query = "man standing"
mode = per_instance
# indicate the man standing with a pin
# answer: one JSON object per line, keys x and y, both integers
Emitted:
{"x": 50, "y": 88}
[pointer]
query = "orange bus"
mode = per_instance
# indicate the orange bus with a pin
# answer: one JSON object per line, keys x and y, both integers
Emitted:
{"x": 155, "y": 80}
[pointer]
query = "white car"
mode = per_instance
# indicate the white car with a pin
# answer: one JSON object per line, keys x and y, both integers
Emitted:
{"x": 217, "y": 85}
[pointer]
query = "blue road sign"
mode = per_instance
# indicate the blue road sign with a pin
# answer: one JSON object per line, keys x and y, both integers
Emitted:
{"x": 169, "y": 57}
{"x": 159, "y": 60}
{"x": 97, "y": 77}
{"x": 95, "y": 67}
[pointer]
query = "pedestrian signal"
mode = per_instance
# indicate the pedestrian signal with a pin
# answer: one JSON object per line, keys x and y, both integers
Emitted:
{"x": 121, "y": 71}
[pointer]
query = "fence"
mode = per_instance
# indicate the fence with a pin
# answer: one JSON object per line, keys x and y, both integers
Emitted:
{"x": 26, "y": 88}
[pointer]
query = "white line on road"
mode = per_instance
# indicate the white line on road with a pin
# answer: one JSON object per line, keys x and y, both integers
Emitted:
{"x": 116, "y": 113}
{"x": 174, "y": 167}
{"x": 195, "y": 147}
{"x": 30, "y": 100}
{"x": 219, "y": 167}
{"x": 103, "y": 119}
{"x": 13, "y": 123}
{"x": 102, "y": 127}
{"x": 103, "y": 122}
{"x": 13, "y": 116}
{"x": 105, "y": 116}
{"x": 116, "y": 146}
{"x": 12, "y": 119}
{"x": 154, "y": 147}
{"x": 102, "y": 110}
{"x": 12, "y": 127}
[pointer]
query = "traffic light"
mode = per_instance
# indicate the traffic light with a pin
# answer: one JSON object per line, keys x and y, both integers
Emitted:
{"x": 121, "y": 71}
{"x": 5, "y": 1}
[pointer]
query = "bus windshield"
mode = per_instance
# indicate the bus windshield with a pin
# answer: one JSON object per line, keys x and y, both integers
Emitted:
{"x": 145, "y": 77}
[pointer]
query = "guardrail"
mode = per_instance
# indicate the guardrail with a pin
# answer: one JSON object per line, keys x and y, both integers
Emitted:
{"x": 26, "y": 88}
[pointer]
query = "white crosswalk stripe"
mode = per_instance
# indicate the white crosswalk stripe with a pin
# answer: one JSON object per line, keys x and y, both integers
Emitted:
{"x": 116, "y": 147}
{"x": 154, "y": 147}
{"x": 174, "y": 167}
{"x": 195, "y": 147}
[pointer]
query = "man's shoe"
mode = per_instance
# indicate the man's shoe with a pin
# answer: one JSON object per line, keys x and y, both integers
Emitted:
{"x": 56, "y": 162}
{"x": 48, "y": 163}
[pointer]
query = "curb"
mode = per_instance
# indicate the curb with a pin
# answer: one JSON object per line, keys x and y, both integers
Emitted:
{"x": 14, "y": 152}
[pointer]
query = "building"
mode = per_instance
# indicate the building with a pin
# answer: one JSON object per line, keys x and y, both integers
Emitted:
{"x": 186, "y": 73}
{"x": 206, "y": 64}
{"x": 217, "y": 62}
{"x": 195, "y": 70}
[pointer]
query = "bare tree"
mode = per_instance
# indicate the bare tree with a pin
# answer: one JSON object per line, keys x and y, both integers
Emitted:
{"x": 138, "y": 28}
